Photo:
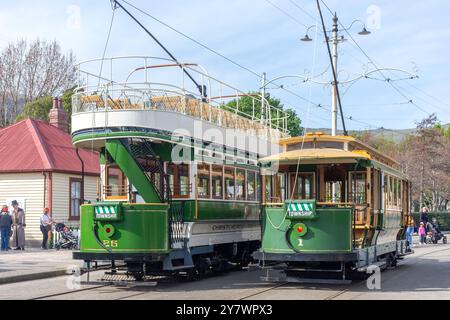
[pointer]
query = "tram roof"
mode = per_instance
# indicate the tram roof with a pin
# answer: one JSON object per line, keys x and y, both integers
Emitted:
{"x": 357, "y": 144}
{"x": 316, "y": 156}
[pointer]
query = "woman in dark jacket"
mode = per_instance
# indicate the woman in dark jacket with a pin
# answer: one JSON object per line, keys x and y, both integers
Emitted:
{"x": 5, "y": 227}
{"x": 424, "y": 216}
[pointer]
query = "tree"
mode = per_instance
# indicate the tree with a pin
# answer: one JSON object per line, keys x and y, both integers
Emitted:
{"x": 32, "y": 71}
{"x": 248, "y": 104}
{"x": 37, "y": 109}
{"x": 424, "y": 158}
{"x": 40, "y": 108}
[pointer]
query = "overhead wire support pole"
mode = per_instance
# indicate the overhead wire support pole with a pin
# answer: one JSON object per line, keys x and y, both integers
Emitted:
{"x": 333, "y": 62}
{"x": 201, "y": 88}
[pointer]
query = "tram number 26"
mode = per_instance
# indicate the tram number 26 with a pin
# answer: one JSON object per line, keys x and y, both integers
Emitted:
{"x": 111, "y": 243}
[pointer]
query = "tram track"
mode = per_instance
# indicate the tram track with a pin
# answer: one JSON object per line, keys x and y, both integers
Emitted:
{"x": 344, "y": 291}
{"x": 412, "y": 260}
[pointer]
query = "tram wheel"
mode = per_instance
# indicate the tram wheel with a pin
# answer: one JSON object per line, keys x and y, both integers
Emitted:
{"x": 391, "y": 260}
{"x": 138, "y": 276}
{"x": 199, "y": 270}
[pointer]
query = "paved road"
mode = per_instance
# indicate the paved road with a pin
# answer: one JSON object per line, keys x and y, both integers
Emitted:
{"x": 424, "y": 275}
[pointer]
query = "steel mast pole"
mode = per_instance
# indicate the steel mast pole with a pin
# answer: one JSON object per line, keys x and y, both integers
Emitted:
{"x": 334, "y": 94}
{"x": 263, "y": 98}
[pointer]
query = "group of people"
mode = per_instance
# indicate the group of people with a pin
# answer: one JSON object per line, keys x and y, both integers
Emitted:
{"x": 12, "y": 225}
{"x": 424, "y": 228}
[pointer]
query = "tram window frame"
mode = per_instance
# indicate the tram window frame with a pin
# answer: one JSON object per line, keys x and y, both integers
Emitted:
{"x": 278, "y": 188}
{"x": 240, "y": 194}
{"x": 268, "y": 186}
{"x": 204, "y": 176}
{"x": 252, "y": 196}
{"x": 215, "y": 176}
{"x": 360, "y": 186}
{"x": 233, "y": 172}
{"x": 122, "y": 183}
{"x": 293, "y": 190}
{"x": 173, "y": 170}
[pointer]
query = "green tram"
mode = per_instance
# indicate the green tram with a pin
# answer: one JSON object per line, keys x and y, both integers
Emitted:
{"x": 180, "y": 187}
{"x": 332, "y": 206}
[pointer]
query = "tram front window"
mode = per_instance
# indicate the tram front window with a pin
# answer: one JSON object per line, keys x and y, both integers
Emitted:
{"x": 302, "y": 185}
{"x": 334, "y": 181}
{"x": 116, "y": 186}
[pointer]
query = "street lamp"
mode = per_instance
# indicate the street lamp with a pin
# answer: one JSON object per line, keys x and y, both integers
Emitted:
{"x": 335, "y": 39}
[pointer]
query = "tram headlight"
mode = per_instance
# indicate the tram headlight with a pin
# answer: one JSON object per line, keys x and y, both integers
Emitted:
{"x": 109, "y": 230}
{"x": 301, "y": 229}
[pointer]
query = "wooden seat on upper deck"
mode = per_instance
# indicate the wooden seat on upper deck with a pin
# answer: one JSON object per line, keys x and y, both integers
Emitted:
{"x": 93, "y": 99}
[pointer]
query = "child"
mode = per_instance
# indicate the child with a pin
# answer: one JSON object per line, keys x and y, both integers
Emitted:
{"x": 422, "y": 233}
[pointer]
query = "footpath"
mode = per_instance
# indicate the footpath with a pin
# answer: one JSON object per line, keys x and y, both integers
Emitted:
{"x": 34, "y": 264}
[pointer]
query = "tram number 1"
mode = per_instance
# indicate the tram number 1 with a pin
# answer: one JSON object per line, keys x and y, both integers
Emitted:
{"x": 111, "y": 243}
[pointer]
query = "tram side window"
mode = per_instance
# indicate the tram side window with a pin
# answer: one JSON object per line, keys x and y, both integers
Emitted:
{"x": 217, "y": 182}
{"x": 230, "y": 184}
{"x": 358, "y": 197}
{"x": 391, "y": 191}
{"x": 179, "y": 180}
{"x": 204, "y": 190}
{"x": 240, "y": 184}
{"x": 251, "y": 186}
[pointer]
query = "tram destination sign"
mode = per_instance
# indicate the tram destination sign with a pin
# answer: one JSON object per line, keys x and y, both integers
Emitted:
{"x": 107, "y": 212}
{"x": 303, "y": 209}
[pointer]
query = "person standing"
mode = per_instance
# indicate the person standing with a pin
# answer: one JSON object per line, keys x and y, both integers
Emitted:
{"x": 19, "y": 226}
{"x": 409, "y": 233}
{"x": 424, "y": 216}
{"x": 46, "y": 225}
{"x": 5, "y": 227}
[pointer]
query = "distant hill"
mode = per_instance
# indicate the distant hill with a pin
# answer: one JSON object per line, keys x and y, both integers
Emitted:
{"x": 394, "y": 134}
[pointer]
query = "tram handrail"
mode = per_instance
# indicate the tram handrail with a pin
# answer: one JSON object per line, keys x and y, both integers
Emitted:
{"x": 107, "y": 85}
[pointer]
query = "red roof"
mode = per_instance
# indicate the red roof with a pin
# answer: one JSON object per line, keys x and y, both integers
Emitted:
{"x": 36, "y": 146}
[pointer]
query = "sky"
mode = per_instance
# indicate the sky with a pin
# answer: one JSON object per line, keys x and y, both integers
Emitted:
{"x": 264, "y": 36}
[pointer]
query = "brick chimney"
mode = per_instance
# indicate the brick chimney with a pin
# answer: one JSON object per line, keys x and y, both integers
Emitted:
{"x": 57, "y": 115}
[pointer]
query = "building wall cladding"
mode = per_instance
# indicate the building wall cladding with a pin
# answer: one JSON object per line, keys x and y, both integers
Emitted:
{"x": 61, "y": 196}
{"x": 31, "y": 188}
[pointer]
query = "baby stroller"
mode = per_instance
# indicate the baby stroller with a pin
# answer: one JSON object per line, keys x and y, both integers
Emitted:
{"x": 434, "y": 234}
{"x": 67, "y": 239}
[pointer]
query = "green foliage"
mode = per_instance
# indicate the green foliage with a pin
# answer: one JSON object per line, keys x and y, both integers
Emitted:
{"x": 248, "y": 105}
{"x": 39, "y": 108}
{"x": 443, "y": 130}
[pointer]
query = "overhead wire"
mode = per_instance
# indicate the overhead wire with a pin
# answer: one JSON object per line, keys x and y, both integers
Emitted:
{"x": 373, "y": 62}
{"x": 256, "y": 74}
{"x": 287, "y": 14}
